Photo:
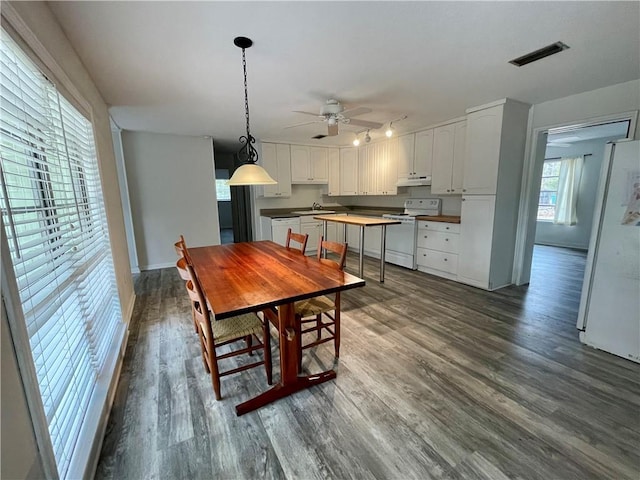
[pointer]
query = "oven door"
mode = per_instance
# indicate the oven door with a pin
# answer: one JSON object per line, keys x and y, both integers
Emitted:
{"x": 401, "y": 244}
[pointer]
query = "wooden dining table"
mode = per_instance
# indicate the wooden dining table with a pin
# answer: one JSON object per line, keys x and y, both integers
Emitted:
{"x": 259, "y": 276}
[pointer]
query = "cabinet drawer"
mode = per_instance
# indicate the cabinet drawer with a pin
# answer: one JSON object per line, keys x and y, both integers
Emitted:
{"x": 444, "y": 242}
{"x": 446, "y": 262}
{"x": 439, "y": 226}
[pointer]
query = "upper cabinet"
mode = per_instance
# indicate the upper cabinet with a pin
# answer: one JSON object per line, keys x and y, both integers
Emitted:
{"x": 334, "y": 172}
{"x": 349, "y": 171}
{"x": 415, "y": 155}
{"x": 494, "y": 146}
{"x": 276, "y": 159}
{"x": 448, "y": 158}
{"x": 388, "y": 168}
{"x": 309, "y": 164}
{"x": 377, "y": 170}
{"x": 424, "y": 154}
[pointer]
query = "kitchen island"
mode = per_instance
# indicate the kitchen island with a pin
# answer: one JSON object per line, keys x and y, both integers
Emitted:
{"x": 361, "y": 222}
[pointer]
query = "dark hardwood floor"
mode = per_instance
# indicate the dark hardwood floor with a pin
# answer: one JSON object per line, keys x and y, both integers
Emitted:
{"x": 435, "y": 380}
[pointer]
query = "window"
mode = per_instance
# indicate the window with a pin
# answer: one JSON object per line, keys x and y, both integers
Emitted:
{"x": 223, "y": 191}
{"x": 548, "y": 190}
{"x": 53, "y": 213}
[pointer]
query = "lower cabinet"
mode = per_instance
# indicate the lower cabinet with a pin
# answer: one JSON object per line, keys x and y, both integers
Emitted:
{"x": 437, "y": 248}
{"x": 477, "y": 232}
{"x": 313, "y": 228}
{"x": 372, "y": 238}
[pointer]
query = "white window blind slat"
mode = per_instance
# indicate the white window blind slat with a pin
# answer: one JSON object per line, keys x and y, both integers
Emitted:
{"x": 53, "y": 211}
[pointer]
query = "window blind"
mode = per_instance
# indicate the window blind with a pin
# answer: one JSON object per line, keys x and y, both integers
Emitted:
{"x": 53, "y": 212}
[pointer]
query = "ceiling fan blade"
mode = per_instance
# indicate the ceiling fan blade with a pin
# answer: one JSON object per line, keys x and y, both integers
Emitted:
{"x": 307, "y": 113}
{"x": 352, "y": 112}
{"x": 333, "y": 130}
{"x": 301, "y": 124}
{"x": 365, "y": 123}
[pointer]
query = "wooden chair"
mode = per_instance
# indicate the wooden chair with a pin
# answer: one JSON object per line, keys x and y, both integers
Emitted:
{"x": 317, "y": 306}
{"x": 216, "y": 333}
{"x": 299, "y": 238}
{"x": 181, "y": 249}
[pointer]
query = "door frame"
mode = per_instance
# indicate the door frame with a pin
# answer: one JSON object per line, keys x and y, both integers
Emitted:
{"x": 534, "y": 155}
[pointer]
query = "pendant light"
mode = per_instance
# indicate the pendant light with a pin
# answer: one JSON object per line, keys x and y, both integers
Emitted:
{"x": 249, "y": 173}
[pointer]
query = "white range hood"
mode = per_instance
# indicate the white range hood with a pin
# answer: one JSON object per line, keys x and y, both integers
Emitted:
{"x": 414, "y": 182}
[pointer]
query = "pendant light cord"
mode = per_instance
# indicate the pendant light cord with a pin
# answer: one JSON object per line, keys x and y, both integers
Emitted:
{"x": 246, "y": 92}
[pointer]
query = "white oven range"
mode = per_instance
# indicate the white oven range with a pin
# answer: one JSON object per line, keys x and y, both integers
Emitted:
{"x": 401, "y": 239}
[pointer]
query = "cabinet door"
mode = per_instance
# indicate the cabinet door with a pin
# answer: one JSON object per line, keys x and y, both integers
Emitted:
{"x": 348, "y": 171}
{"x": 353, "y": 237}
{"x": 314, "y": 230}
{"x": 334, "y": 172}
{"x": 372, "y": 238}
{"x": 318, "y": 166}
{"x": 459, "y": 152}
{"x": 335, "y": 232}
{"x": 365, "y": 170}
{"x": 388, "y": 171}
{"x": 300, "y": 164}
{"x": 424, "y": 154}
{"x": 482, "y": 151}
{"x": 443, "y": 150}
{"x": 270, "y": 164}
{"x": 406, "y": 152}
{"x": 476, "y": 236}
{"x": 276, "y": 161}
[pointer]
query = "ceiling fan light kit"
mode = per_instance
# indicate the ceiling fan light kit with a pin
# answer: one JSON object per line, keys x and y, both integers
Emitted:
{"x": 250, "y": 173}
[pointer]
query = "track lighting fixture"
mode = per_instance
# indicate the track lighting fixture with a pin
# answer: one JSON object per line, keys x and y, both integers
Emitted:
{"x": 391, "y": 129}
{"x": 367, "y": 137}
{"x": 356, "y": 141}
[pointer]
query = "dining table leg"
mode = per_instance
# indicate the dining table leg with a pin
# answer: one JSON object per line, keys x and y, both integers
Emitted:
{"x": 290, "y": 382}
{"x": 324, "y": 235}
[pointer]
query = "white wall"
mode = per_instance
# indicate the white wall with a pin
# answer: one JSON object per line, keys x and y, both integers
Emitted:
{"x": 576, "y": 236}
{"x": 172, "y": 191}
{"x": 573, "y": 109}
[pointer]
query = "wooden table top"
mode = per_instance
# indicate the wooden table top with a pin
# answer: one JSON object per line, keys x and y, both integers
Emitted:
{"x": 355, "y": 220}
{"x": 440, "y": 218}
{"x": 246, "y": 277}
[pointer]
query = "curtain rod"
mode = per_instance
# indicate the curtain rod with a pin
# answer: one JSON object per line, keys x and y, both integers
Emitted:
{"x": 559, "y": 158}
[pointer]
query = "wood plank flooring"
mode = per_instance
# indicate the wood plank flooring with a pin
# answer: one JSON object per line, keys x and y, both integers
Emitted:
{"x": 435, "y": 380}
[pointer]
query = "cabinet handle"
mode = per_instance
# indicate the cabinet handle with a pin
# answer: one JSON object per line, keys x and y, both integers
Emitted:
{"x": 424, "y": 254}
{"x": 452, "y": 190}
{"x": 463, "y": 199}
{"x": 448, "y": 190}
{"x": 446, "y": 239}
{"x": 464, "y": 189}
{"x": 446, "y": 228}
{"x": 425, "y": 236}
{"x": 445, "y": 259}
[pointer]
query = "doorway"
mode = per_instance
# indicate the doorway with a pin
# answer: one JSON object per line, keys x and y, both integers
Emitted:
{"x": 225, "y": 218}
{"x": 563, "y": 201}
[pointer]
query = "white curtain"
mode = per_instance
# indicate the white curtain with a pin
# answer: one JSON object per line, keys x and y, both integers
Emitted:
{"x": 568, "y": 185}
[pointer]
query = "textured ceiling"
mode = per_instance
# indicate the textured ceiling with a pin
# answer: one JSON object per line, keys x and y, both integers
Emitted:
{"x": 171, "y": 67}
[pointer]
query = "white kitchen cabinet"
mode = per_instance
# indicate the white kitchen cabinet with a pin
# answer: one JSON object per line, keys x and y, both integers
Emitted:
{"x": 437, "y": 247}
{"x": 349, "y": 171}
{"x": 335, "y": 232}
{"x": 386, "y": 167}
{"x": 366, "y": 170}
{"x": 406, "y": 154}
{"x": 276, "y": 160}
{"x": 448, "y": 158}
{"x": 334, "y": 172}
{"x": 372, "y": 238}
{"x": 495, "y": 141}
{"x": 476, "y": 239}
{"x": 423, "y": 160}
{"x": 309, "y": 164}
{"x": 415, "y": 155}
{"x": 313, "y": 228}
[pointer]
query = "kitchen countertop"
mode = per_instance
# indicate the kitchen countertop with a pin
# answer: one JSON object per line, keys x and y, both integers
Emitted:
{"x": 356, "y": 210}
{"x": 440, "y": 218}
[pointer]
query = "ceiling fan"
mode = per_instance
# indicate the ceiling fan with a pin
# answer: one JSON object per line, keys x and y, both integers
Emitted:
{"x": 333, "y": 113}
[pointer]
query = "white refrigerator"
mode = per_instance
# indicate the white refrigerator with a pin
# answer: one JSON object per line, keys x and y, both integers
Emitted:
{"x": 609, "y": 315}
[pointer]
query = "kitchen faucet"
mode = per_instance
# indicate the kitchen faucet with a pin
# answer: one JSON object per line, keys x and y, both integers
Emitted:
{"x": 316, "y": 206}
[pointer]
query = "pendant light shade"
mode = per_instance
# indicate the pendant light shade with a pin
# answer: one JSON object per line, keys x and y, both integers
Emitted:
{"x": 250, "y": 173}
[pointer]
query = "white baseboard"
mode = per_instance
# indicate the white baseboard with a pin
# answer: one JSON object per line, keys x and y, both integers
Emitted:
{"x": 157, "y": 266}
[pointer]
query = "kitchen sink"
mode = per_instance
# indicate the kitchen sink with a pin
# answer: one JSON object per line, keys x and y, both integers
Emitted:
{"x": 312, "y": 212}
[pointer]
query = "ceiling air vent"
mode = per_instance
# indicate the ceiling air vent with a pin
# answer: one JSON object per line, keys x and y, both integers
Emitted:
{"x": 318, "y": 137}
{"x": 539, "y": 54}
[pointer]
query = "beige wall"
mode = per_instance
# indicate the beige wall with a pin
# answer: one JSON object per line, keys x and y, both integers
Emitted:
{"x": 171, "y": 182}
{"x": 19, "y": 453}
